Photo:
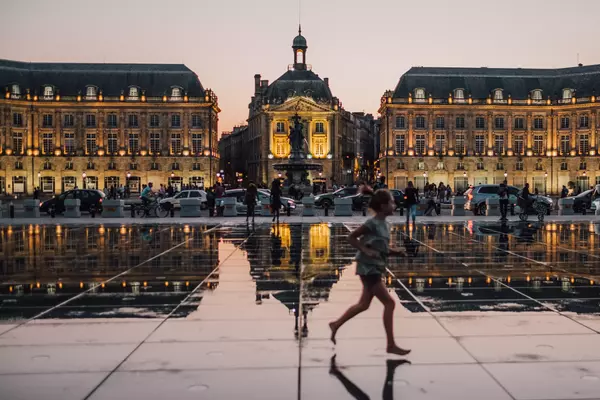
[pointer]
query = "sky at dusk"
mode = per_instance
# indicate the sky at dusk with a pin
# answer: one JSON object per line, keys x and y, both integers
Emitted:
{"x": 363, "y": 47}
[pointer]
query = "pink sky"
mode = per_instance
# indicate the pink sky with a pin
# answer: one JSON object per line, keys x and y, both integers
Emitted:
{"x": 362, "y": 46}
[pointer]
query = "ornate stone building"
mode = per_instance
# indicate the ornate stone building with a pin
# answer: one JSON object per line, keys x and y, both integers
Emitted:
{"x": 479, "y": 125}
{"x": 97, "y": 125}
{"x": 330, "y": 131}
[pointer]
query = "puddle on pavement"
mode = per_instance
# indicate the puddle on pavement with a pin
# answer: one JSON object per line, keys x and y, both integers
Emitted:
{"x": 150, "y": 271}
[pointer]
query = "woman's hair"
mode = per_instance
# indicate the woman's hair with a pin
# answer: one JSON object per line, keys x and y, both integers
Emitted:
{"x": 410, "y": 184}
{"x": 379, "y": 197}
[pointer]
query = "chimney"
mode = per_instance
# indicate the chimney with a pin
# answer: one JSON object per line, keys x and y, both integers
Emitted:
{"x": 264, "y": 83}
{"x": 256, "y": 83}
{"x": 326, "y": 81}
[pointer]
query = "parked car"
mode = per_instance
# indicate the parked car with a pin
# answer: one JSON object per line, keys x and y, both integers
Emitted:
{"x": 360, "y": 200}
{"x": 263, "y": 197}
{"x": 90, "y": 198}
{"x": 583, "y": 201}
{"x": 186, "y": 194}
{"x": 476, "y": 197}
{"x": 327, "y": 199}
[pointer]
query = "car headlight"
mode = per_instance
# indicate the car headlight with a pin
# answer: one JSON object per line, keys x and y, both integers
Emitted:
{"x": 317, "y": 198}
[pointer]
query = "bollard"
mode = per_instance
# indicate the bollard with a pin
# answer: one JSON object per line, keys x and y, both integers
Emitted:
{"x": 132, "y": 211}
{"x": 326, "y": 209}
{"x": 172, "y": 212}
{"x": 12, "y": 210}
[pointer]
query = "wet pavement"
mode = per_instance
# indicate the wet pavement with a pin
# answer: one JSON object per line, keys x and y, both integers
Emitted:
{"x": 226, "y": 311}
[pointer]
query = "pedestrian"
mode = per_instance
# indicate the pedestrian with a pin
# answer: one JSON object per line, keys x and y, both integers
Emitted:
{"x": 503, "y": 195}
{"x": 430, "y": 196}
{"x": 448, "y": 193}
{"x": 441, "y": 194}
{"x": 250, "y": 200}
{"x": 36, "y": 193}
{"x": 372, "y": 242}
{"x": 210, "y": 201}
{"x": 564, "y": 192}
{"x": 411, "y": 199}
{"x": 275, "y": 198}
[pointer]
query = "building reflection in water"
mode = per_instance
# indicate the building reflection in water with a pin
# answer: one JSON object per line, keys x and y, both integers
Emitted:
{"x": 43, "y": 266}
{"x": 303, "y": 264}
{"x": 476, "y": 266}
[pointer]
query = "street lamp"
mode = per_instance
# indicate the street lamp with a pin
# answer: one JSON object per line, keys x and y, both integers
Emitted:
{"x": 84, "y": 182}
{"x": 546, "y": 182}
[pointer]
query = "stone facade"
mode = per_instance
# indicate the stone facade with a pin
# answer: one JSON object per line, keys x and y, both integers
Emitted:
{"x": 536, "y": 126}
{"x": 337, "y": 139}
{"x": 136, "y": 126}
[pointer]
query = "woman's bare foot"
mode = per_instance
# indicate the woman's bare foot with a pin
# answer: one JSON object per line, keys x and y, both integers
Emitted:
{"x": 397, "y": 350}
{"x": 333, "y": 331}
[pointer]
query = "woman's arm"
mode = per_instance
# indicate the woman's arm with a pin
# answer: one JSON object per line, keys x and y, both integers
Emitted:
{"x": 353, "y": 240}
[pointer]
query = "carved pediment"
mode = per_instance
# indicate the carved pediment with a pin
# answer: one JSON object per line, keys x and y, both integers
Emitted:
{"x": 301, "y": 104}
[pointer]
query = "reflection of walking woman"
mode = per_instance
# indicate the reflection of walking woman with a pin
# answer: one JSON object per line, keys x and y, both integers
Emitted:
{"x": 275, "y": 198}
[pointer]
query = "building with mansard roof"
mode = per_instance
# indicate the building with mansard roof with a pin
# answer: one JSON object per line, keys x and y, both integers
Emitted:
{"x": 97, "y": 125}
{"x": 337, "y": 139}
{"x": 468, "y": 126}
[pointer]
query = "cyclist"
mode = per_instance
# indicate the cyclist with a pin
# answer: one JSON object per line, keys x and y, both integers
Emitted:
{"x": 147, "y": 195}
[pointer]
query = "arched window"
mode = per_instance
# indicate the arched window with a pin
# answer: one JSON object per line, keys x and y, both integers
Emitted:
{"x": 459, "y": 94}
{"x": 90, "y": 93}
{"x": 567, "y": 94}
{"x": 420, "y": 94}
{"x": 498, "y": 95}
{"x": 536, "y": 95}
{"x": 300, "y": 57}
{"x": 48, "y": 92}
{"x": 175, "y": 94}
{"x": 133, "y": 92}
{"x": 16, "y": 91}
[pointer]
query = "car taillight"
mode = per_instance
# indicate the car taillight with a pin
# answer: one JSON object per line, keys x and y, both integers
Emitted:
{"x": 100, "y": 200}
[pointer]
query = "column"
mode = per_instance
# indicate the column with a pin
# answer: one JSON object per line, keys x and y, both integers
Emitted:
{"x": 79, "y": 133}
{"x": 411, "y": 138}
{"x": 121, "y": 124}
{"x": 186, "y": 130}
{"x": 144, "y": 137}
{"x": 58, "y": 132}
{"x": 593, "y": 118}
{"x": 164, "y": 134}
{"x": 100, "y": 135}
{"x": 573, "y": 121}
{"x": 469, "y": 140}
{"x": 449, "y": 134}
{"x": 551, "y": 144}
{"x": 529, "y": 138}
{"x": 510, "y": 132}
{"x": 430, "y": 138}
{"x": 35, "y": 130}
{"x": 490, "y": 135}
{"x": 556, "y": 132}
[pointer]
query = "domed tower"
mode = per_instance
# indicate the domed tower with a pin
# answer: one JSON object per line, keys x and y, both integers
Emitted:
{"x": 299, "y": 47}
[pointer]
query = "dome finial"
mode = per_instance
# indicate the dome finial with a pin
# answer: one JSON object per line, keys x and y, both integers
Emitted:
{"x": 299, "y": 29}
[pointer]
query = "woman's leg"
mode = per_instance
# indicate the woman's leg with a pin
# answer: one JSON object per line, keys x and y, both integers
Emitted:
{"x": 363, "y": 304}
{"x": 413, "y": 213}
{"x": 379, "y": 290}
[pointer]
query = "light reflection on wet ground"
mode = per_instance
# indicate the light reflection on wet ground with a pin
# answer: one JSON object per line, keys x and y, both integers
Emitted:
{"x": 238, "y": 293}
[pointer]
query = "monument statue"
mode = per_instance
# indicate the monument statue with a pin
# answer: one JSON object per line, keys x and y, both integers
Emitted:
{"x": 296, "y": 137}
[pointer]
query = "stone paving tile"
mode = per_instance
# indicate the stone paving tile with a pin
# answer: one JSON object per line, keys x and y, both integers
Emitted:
{"x": 55, "y": 386}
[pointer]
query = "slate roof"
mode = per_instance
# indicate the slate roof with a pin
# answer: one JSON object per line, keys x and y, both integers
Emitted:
{"x": 72, "y": 78}
{"x": 298, "y": 83}
{"x": 518, "y": 82}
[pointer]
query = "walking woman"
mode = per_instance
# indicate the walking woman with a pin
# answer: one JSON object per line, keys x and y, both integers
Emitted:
{"x": 250, "y": 200}
{"x": 275, "y": 198}
{"x": 411, "y": 199}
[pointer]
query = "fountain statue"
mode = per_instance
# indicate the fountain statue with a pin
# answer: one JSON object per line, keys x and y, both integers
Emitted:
{"x": 296, "y": 170}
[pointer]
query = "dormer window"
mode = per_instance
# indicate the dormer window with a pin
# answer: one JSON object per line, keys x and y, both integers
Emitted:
{"x": 16, "y": 91}
{"x": 459, "y": 95}
{"x": 176, "y": 94}
{"x": 134, "y": 93}
{"x": 420, "y": 94}
{"x": 536, "y": 95}
{"x": 90, "y": 93}
{"x": 567, "y": 95}
{"x": 48, "y": 92}
{"x": 498, "y": 95}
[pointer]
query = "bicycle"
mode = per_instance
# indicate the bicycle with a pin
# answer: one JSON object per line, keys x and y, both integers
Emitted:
{"x": 151, "y": 209}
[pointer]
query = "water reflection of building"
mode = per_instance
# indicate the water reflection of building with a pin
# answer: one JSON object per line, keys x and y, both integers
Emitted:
{"x": 477, "y": 266}
{"x": 301, "y": 266}
{"x": 50, "y": 262}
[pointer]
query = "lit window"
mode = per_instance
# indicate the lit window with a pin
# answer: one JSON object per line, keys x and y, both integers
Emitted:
{"x": 519, "y": 123}
{"x": 460, "y": 122}
{"x": 196, "y": 143}
{"x": 196, "y": 121}
{"x": 133, "y": 93}
{"x": 319, "y": 147}
{"x": 479, "y": 144}
{"x": 584, "y": 144}
{"x": 459, "y": 94}
{"x": 154, "y": 142}
{"x": 479, "y": 123}
{"x": 420, "y": 94}
{"x": 280, "y": 127}
{"x": 440, "y": 143}
{"x": 47, "y": 143}
{"x": 319, "y": 127}
{"x": 499, "y": 144}
{"x": 90, "y": 93}
{"x": 460, "y": 143}
{"x": 175, "y": 121}
{"x": 176, "y": 94}
{"x": 48, "y": 92}
{"x": 518, "y": 145}
{"x": 565, "y": 144}
{"x": 538, "y": 144}
{"x": 17, "y": 142}
{"x": 567, "y": 95}
{"x": 400, "y": 144}
{"x": 420, "y": 144}
{"x": 420, "y": 122}
{"x": 498, "y": 95}
{"x": 176, "y": 143}
{"x": 538, "y": 123}
{"x": 69, "y": 143}
{"x": 536, "y": 95}
{"x": 112, "y": 143}
{"x": 90, "y": 143}
{"x": 440, "y": 122}
{"x": 134, "y": 143}
{"x": 154, "y": 121}
{"x": 16, "y": 91}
